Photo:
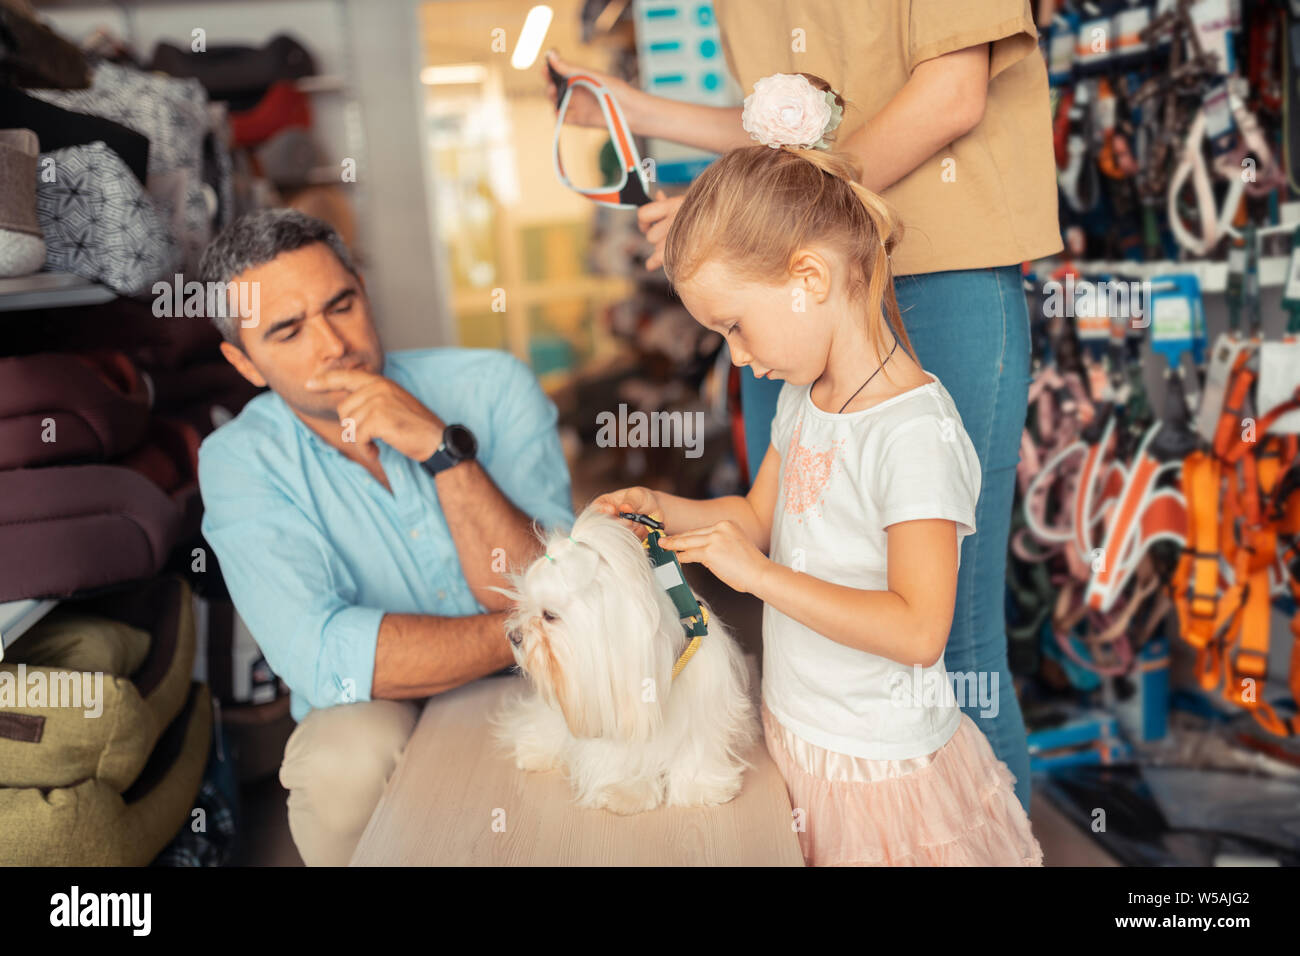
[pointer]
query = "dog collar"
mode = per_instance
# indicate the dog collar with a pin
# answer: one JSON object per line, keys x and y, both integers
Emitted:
{"x": 693, "y": 614}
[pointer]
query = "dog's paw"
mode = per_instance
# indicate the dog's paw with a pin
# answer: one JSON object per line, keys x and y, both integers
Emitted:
{"x": 690, "y": 793}
{"x": 627, "y": 799}
{"x": 536, "y": 761}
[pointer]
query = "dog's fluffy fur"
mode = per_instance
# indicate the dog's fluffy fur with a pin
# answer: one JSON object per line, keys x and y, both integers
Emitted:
{"x": 597, "y": 635}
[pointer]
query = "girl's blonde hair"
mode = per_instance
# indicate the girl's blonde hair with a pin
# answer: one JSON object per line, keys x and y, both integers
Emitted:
{"x": 756, "y": 207}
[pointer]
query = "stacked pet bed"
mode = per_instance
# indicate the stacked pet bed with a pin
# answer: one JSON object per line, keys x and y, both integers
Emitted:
{"x": 112, "y": 789}
{"x": 93, "y": 493}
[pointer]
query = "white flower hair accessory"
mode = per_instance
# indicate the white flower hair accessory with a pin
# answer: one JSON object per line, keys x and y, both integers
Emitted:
{"x": 785, "y": 109}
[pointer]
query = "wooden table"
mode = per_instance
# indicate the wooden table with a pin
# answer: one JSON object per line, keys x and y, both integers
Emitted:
{"x": 453, "y": 801}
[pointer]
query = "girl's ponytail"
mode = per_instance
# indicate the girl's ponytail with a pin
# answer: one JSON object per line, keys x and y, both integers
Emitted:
{"x": 757, "y": 206}
{"x": 883, "y": 235}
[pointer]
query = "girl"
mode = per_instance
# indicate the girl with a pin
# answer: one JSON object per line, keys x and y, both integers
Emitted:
{"x": 850, "y": 534}
{"x": 949, "y": 118}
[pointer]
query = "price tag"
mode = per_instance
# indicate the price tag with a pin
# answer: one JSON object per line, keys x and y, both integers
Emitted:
{"x": 1291, "y": 293}
{"x": 1214, "y": 24}
{"x": 1237, "y": 259}
{"x": 1219, "y": 127}
{"x": 1061, "y": 48}
{"x": 1279, "y": 376}
{"x": 1177, "y": 318}
{"x": 1222, "y": 356}
{"x": 1093, "y": 328}
{"x": 1127, "y": 26}
{"x": 1171, "y": 320}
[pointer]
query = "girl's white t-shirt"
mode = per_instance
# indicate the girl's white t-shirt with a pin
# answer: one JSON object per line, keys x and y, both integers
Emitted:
{"x": 844, "y": 479}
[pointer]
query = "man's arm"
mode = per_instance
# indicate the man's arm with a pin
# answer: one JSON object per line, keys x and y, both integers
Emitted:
{"x": 521, "y": 475}
{"x": 419, "y": 655}
{"x": 491, "y": 534}
{"x": 482, "y": 520}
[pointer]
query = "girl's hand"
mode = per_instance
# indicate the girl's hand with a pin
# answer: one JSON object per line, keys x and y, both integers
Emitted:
{"x": 724, "y": 549}
{"x": 583, "y": 109}
{"x": 653, "y": 219}
{"x": 638, "y": 500}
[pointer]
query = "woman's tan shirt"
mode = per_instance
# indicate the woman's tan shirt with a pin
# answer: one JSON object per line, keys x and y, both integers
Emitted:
{"x": 986, "y": 199}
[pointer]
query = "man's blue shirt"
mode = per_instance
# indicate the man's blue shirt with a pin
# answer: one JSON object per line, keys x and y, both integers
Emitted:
{"x": 314, "y": 550}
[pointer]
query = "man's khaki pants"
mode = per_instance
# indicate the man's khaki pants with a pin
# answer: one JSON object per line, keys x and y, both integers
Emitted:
{"x": 336, "y": 764}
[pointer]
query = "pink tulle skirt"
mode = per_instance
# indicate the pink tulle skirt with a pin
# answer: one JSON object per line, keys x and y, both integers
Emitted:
{"x": 954, "y": 807}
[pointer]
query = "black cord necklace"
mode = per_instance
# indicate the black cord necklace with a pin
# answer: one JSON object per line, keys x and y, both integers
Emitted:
{"x": 869, "y": 378}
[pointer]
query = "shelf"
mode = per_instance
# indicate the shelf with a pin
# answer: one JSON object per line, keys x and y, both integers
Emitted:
{"x": 51, "y": 290}
{"x": 17, "y": 616}
{"x": 325, "y": 83}
{"x": 1212, "y": 276}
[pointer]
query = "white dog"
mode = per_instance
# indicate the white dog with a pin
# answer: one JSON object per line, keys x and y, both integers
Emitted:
{"x": 597, "y": 635}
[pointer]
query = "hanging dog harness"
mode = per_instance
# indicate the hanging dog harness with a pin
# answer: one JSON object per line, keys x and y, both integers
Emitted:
{"x": 668, "y": 571}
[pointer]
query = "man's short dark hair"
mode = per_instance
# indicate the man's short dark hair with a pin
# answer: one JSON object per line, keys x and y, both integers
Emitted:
{"x": 255, "y": 239}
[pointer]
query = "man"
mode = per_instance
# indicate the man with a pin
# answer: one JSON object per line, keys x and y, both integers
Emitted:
{"x": 363, "y": 510}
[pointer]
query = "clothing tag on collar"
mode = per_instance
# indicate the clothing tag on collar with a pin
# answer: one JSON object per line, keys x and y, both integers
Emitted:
{"x": 668, "y": 575}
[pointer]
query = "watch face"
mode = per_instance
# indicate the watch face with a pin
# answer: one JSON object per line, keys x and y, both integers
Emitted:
{"x": 460, "y": 442}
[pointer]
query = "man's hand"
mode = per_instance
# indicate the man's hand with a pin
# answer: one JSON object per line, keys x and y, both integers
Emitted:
{"x": 377, "y": 407}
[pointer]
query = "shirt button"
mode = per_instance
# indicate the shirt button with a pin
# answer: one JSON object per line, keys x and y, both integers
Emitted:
{"x": 415, "y": 532}
{"x": 442, "y": 595}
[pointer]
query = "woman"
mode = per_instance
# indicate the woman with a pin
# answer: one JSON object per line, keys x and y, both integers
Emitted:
{"x": 948, "y": 115}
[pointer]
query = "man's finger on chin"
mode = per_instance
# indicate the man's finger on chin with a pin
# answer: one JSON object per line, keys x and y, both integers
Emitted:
{"x": 340, "y": 378}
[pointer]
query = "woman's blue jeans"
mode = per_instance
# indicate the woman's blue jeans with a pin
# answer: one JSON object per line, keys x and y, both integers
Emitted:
{"x": 970, "y": 327}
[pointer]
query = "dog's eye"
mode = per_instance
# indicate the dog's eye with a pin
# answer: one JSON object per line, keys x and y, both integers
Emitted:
{"x": 548, "y": 616}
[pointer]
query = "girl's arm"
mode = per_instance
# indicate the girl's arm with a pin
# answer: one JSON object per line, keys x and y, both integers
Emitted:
{"x": 943, "y": 100}
{"x": 909, "y": 623}
{"x": 752, "y": 513}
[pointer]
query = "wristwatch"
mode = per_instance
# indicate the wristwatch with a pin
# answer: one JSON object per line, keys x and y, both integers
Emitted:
{"x": 458, "y": 444}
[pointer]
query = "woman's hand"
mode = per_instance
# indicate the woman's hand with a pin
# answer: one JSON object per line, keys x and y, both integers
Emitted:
{"x": 583, "y": 109}
{"x": 638, "y": 500}
{"x": 653, "y": 219}
{"x": 724, "y": 549}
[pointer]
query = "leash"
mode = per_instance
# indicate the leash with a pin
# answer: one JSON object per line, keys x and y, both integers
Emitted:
{"x": 633, "y": 190}
{"x": 692, "y": 613}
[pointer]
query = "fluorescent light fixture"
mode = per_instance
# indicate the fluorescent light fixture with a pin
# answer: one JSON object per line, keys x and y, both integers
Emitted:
{"x": 453, "y": 74}
{"x": 536, "y": 24}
